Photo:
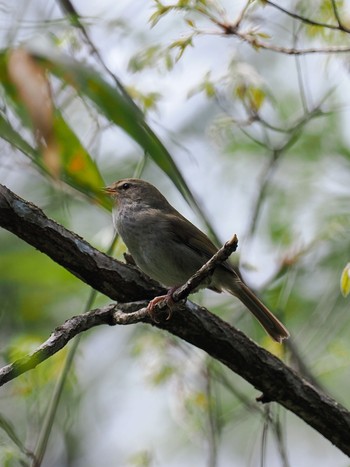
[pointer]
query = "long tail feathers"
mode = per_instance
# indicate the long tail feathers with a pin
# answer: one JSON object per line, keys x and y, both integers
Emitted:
{"x": 268, "y": 321}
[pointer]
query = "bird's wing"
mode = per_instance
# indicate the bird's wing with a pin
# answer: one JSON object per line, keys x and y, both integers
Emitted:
{"x": 184, "y": 232}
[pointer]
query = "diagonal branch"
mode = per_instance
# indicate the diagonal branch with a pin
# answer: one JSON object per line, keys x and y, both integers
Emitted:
{"x": 115, "y": 279}
{"x": 60, "y": 337}
{"x": 128, "y": 313}
{"x": 220, "y": 340}
{"x": 303, "y": 19}
{"x": 192, "y": 323}
{"x": 206, "y": 270}
{"x": 258, "y": 44}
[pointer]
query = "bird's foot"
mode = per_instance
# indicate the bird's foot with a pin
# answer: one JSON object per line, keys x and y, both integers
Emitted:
{"x": 167, "y": 300}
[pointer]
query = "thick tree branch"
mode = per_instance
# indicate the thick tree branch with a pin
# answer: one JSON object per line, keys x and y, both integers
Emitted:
{"x": 119, "y": 281}
{"x": 190, "y": 322}
{"x": 127, "y": 313}
{"x": 220, "y": 340}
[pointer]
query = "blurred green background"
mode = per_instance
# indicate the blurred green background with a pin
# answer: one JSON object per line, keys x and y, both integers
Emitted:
{"x": 241, "y": 139}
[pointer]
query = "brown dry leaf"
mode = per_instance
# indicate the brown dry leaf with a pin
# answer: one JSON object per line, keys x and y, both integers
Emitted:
{"x": 34, "y": 92}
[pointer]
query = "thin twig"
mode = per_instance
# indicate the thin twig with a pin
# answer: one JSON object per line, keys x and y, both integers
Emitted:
{"x": 69, "y": 9}
{"x": 57, "y": 340}
{"x": 276, "y": 154}
{"x": 280, "y": 438}
{"x": 264, "y": 434}
{"x": 303, "y": 19}
{"x": 251, "y": 39}
{"x": 265, "y": 179}
{"x": 232, "y": 29}
{"x": 110, "y": 314}
{"x": 338, "y": 18}
{"x": 206, "y": 270}
{"x": 241, "y": 15}
{"x": 257, "y": 44}
{"x": 212, "y": 428}
{"x": 301, "y": 85}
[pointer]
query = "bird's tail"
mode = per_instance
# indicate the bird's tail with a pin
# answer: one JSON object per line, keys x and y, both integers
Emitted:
{"x": 268, "y": 321}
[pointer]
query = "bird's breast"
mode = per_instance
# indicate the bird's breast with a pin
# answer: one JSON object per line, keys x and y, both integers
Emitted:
{"x": 154, "y": 248}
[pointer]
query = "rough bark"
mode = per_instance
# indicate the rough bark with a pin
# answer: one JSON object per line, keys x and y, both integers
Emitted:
{"x": 117, "y": 280}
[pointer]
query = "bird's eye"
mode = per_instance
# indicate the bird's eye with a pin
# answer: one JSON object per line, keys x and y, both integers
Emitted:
{"x": 125, "y": 186}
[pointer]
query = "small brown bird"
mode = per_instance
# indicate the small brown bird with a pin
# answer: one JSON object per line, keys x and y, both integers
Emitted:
{"x": 170, "y": 249}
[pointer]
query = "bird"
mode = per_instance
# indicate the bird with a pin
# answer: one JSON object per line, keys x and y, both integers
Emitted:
{"x": 170, "y": 249}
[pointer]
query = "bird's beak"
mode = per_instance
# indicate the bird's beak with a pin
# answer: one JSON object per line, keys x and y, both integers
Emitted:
{"x": 109, "y": 190}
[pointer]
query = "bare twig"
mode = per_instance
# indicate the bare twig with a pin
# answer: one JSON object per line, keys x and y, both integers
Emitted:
{"x": 70, "y": 10}
{"x": 241, "y": 15}
{"x": 338, "y": 18}
{"x": 303, "y": 19}
{"x": 212, "y": 426}
{"x": 252, "y": 39}
{"x": 233, "y": 29}
{"x": 110, "y": 314}
{"x": 206, "y": 270}
{"x": 265, "y": 178}
{"x": 276, "y": 154}
{"x": 257, "y": 44}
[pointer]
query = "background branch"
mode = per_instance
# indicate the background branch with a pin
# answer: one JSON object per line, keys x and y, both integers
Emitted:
{"x": 192, "y": 323}
{"x": 305, "y": 20}
{"x": 257, "y": 44}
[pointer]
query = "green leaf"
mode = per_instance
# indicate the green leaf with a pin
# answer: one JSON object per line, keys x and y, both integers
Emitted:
{"x": 256, "y": 97}
{"x": 78, "y": 169}
{"x": 9, "y": 429}
{"x": 119, "y": 108}
{"x": 9, "y": 134}
{"x": 76, "y": 166}
{"x": 345, "y": 281}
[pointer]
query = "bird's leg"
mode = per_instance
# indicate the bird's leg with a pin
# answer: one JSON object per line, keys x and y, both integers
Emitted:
{"x": 167, "y": 299}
